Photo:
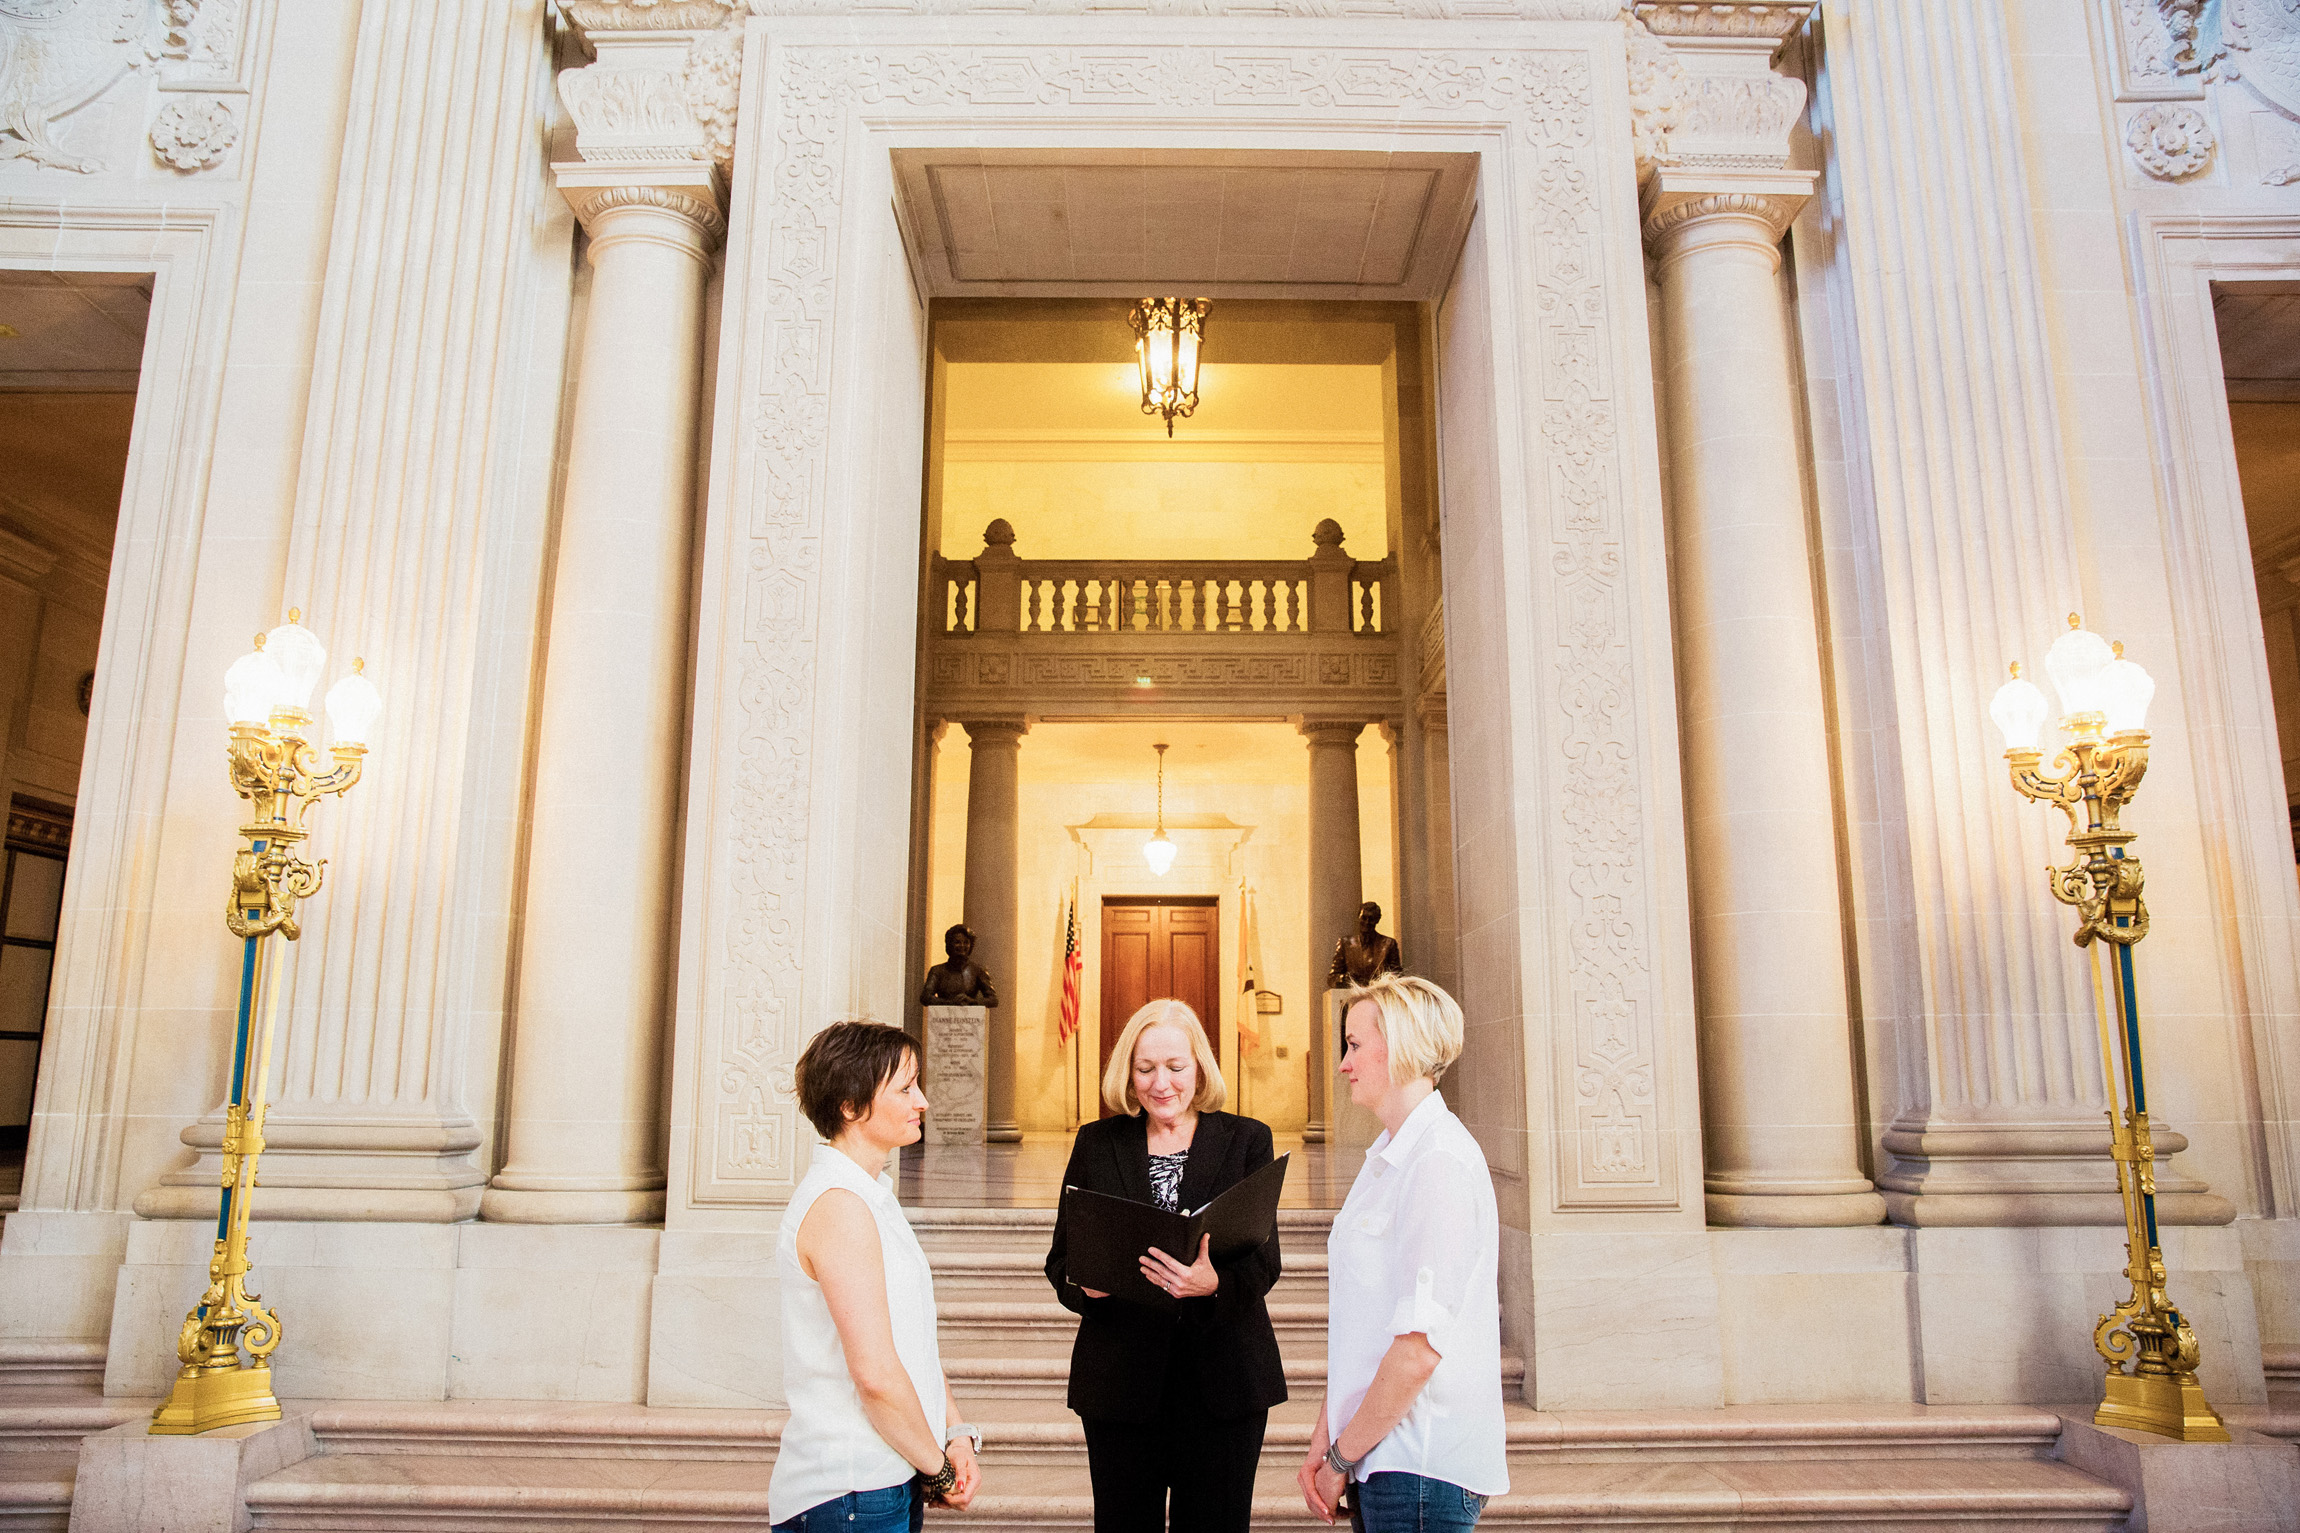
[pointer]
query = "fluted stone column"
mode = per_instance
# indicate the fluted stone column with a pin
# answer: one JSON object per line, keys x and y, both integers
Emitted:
{"x": 416, "y": 513}
{"x": 1337, "y": 884}
{"x": 1996, "y": 1081}
{"x": 993, "y": 845}
{"x": 1779, "y": 1122}
{"x": 586, "y": 1131}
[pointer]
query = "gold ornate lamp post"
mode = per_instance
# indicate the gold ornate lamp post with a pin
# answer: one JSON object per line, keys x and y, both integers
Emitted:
{"x": 1167, "y": 335}
{"x": 2150, "y": 1349}
{"x": 277, "y": 768}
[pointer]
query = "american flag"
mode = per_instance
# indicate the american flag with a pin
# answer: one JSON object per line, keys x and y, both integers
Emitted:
{"x": 1073, "y": 970}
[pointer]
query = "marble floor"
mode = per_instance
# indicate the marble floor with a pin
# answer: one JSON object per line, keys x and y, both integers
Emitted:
{"x": 1029, "y": 1174}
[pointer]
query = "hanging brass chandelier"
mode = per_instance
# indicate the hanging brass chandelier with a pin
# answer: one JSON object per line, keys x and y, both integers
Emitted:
{"x": 1168, "y": 333}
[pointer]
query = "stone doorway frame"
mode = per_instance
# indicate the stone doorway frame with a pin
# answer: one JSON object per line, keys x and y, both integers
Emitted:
{"x": 1573, "y": 926}
{"x": 2256, "y": 906}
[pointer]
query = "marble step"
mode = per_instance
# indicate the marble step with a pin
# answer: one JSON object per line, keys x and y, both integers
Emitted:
{"x": 465, "y": 1494}
{"x": 1030, "y": 1435}
{"x": 36, "y": 1491}
{"x": 942, "y": 1230}
{"x": 53, "y": 1419}
{"x": 1299, "y": 1326}
{"x": 972, "y": 1273}
{"x": 32, "y": 1363}
{"x": 1042, "y": 1371}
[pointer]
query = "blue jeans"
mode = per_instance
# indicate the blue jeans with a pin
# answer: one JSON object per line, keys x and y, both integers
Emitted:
{"x": 896, "y": 1509}
{"x": 1413, "y": 1503}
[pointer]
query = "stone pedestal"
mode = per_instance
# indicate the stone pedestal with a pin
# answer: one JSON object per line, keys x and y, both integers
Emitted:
{"x": 129, "y": 1479}
{"x": 2251, "y": 1484}
{"x": 956, "y": 1079}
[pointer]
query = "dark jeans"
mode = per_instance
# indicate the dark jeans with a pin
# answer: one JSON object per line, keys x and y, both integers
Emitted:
{"x": 896, "y": 1509}
{"x": 1412, "y": 1503}
{"x": 1207, "y": 1465}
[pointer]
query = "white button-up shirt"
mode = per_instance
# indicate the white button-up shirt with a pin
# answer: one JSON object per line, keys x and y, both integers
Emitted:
{"x": 1417, "y": 1248}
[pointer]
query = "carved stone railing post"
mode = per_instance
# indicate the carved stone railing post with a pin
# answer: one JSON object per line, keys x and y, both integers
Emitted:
{"x": 1780, "y": 1130}
{"x": 585, "y": 1134}
{"x": 1330, "y": 571}
{"x": 998, "y": 581}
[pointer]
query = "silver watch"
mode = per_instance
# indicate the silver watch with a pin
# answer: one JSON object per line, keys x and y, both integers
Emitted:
{"x": 970, "y": 1433}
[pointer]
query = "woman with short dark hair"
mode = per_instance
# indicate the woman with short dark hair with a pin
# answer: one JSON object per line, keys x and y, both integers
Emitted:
{"x": 874, "y": 1433}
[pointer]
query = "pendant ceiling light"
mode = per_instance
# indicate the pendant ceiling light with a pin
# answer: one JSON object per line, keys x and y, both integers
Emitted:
{"x": 1167, "y": 335}
{"x": 1158, "y": 851}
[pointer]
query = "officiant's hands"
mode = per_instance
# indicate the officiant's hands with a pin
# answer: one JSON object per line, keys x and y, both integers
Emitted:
{"x": 1196, "y": 1281}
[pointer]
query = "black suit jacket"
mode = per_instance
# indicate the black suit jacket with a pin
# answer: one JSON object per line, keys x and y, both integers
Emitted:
{"x": 1224, "y": 1343}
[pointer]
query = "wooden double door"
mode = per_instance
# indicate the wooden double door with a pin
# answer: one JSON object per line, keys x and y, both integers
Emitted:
{"x": 1155, "y": 949}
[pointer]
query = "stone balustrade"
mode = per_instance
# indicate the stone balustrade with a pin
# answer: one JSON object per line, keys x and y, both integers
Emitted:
{"x": 1270, "y": 635}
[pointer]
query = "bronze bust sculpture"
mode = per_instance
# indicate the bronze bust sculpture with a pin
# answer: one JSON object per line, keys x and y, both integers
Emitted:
{"x": 1366, "y": 952}
{"x": 958, "y": 980}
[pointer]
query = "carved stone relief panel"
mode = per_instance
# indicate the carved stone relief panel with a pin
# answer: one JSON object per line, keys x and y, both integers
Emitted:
{"x": 1571, "y": 218}
{"x": 60, "y": 58}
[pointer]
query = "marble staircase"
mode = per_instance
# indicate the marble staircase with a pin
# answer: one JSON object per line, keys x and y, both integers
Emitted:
{"x": 524, "y": 1467}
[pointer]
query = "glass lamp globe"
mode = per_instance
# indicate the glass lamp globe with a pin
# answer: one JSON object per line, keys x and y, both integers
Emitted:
{"x": 300, "y": 656}
{"x": 1159, "y": 851}
{"x": 2020, "y": 710}
{"x": 2126, "y": 691}
{"x": 352, "y": 706}
{"x": 2075, "y": 662}
{"x": 252, "y": 687}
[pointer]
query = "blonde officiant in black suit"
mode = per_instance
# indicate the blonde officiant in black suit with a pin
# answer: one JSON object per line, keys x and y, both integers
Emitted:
{"x": 1174, "y": 1402}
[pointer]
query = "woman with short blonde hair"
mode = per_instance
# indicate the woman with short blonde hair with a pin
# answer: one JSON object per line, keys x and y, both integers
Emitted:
{"x": 1412, "y": 1430}
{"x": 1118, "y": 1075}
{"x": 1421, "y": 1024}
{"x": 1175, "y": 1400}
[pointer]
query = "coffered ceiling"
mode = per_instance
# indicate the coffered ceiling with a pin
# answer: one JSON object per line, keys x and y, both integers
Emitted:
{"x": 1022, "y": 223}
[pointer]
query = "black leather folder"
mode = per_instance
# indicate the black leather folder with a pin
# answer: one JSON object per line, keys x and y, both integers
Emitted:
{"x": 1107, "y": 1235}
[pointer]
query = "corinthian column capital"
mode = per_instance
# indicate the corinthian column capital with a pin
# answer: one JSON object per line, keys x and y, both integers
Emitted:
{"x": 1700, "y": 209}
{"x": 686, "y": 195}
{"x": 666, "y": 82}
{"x": 1702, "y": 86}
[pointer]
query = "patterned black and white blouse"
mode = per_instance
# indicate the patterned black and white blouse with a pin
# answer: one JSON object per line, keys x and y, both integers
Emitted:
{"x": 1166, "y": 1179}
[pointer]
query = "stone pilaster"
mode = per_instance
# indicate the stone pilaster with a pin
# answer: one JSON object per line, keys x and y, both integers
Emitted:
{"x": 585, "y": 1132}
{"x": 419, "y": 504}
{"x": 993, "y": 847}
{"x": 1989, "y": 1065}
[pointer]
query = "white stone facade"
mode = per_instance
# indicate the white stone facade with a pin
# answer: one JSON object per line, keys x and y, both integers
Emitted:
{"x": 547, "y": 356}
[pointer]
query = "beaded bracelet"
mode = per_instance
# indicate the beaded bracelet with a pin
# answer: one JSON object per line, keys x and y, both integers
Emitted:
{"x": 940, "y": 1484}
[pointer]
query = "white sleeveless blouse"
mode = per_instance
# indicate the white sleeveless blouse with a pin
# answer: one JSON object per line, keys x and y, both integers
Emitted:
{"x": 829, "y": 1447}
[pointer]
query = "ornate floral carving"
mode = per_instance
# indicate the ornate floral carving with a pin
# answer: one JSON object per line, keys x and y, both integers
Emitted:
{"x": 2181, "y": 19}
{"x": 650, "y": 15}
{"x": 715, "y": 87}
{"x": 2169, "y": 142}
{"x": 640, "y": 115}
{"x": 1656, "y": 92}
{"x": 194, "y": 134}
{"x": 1608, "y": 1087}
{"x": 591, "y": 203}
{"x": 1724, "y": 18}
{"x": 56, "y": 56}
